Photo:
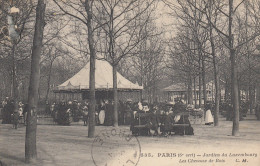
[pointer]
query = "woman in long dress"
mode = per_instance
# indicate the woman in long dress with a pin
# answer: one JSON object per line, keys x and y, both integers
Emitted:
{"x": 101, "y": 114}
{"x": 209, "y": 118}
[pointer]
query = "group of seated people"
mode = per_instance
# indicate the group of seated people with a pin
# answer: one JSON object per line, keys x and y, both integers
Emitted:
{"x": 167, "y": 118}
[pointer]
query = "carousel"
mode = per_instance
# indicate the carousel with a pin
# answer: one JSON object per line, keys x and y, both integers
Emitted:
{"x": 77, "y": 88}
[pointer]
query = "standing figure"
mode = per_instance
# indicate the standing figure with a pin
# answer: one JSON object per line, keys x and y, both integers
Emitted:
{"x": 8, "y": 111}
{"x": 4, "y": 110}
{"x": 101, "y": 115}
{"x": 15, "y": 118}
{"x": 127, "y": 113}
{"x": 109, "y": 113}
{"x": 75, "y": 110}
{"x": 208, "y": 118}
{"x": 20, "y": 109}
{"x": 47, "y": 108}
{"x": 85, "y": 113}
{"x": 25, "y": 110}
{"x": 62, "y": 114}
{"x": 140, "y": 106}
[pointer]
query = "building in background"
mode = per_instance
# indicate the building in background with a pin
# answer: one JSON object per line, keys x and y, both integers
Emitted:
{"x": 179, "y": 90}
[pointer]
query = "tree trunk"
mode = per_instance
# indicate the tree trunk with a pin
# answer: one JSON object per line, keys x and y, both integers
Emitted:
{"x": 216, "y": 78}
{"x": 91, "y": 126}
{"x": 235, "y": 95}
{"x": 48, "y": 82}
{"x": 30, "y": 140}
{"x": 115, "y": 95}
{"x": 250, "y": 80}
{"x": 14, "y": 79}
{"x": 226, "y": 90}
{"x": 204, "y": 82}
{"x": 204, "y": 85}
{"x": 190, "y": 97}
{"x": 234, "y": 83}
{"x": 239, "y": 93}
{"x": 217, "y": 89}
{"x": 195, "y": 92}
{"x": 200, "y": 98}
{"x": 142, "y": 75}
{"x": 251, "y": 94}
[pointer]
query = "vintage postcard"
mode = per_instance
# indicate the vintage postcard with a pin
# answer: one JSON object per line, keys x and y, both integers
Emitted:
{"x": 129, "y": 82}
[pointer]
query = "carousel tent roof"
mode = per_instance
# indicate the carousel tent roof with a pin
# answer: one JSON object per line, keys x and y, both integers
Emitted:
{"x": 103, "y": 79}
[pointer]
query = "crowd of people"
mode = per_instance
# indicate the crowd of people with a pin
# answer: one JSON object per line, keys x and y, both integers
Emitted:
{"x": 157, "y": 118}
{"x": 65, "y": 112}
{"x": 12, "y": 115}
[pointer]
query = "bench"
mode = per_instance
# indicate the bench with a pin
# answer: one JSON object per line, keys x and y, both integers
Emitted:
{"x": 140, "y": 126}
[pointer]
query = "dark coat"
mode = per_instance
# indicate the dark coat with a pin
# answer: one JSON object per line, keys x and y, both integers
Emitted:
{"x": 153, "y": 122}
{"x": 169, "y": 122}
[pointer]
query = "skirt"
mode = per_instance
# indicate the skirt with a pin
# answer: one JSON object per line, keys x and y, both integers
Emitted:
{"x": 209, "y": 118}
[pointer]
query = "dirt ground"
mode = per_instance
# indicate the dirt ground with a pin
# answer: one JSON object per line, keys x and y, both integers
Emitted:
{"x": 69, "y": 145}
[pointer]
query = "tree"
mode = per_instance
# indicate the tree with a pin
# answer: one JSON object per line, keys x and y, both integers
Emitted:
{"x": 148, "y": 63}
{"x": 120, "y": 30}
{"x": 84, "y": 10}
{"x": 195, "y": 43}
{"x": 212, "y": 16}
{"x": 92, "y": 50}
{"x": 15, "y": 41}
{"x": 229, "y": 36}
{"x": 52, "y": 54}
{"x": 183, "y": 60}
{"x": 30, "y": 140}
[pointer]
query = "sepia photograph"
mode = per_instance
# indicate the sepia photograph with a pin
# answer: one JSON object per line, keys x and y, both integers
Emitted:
{"x": 129, "y": 82}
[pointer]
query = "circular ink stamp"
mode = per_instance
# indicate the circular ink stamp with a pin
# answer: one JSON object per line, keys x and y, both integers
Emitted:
{"x": 115, "y": 147}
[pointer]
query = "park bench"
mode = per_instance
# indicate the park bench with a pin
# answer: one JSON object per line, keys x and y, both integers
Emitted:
{"x": 181, "y": 124}
{"x": 139, "y": 126}
{"x": 197, "y": 115}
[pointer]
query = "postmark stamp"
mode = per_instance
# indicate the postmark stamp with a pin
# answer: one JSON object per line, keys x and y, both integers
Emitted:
{"x": 115, "y": 147}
